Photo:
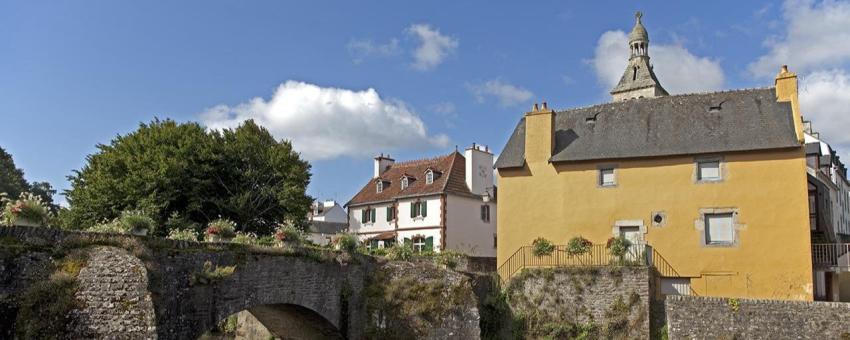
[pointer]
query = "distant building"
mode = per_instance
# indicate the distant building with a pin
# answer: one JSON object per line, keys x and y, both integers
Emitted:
{"x": 447, "y": 202}
{"x": 713, "y": 184}
{"x": 326, "y": 220}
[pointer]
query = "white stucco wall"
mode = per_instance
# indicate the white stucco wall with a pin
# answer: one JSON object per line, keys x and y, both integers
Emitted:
{"x": 380, "y": 225}
{"x": 435, "y": 233}
{"x": 432, "y": 220}
{"x": 465, "y": 231}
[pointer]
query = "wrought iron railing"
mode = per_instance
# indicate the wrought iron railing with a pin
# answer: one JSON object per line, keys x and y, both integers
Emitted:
{"x": 831, "y": 255}
{"x": 597, "y": 256}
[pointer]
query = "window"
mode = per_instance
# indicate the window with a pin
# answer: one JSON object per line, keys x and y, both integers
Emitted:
{"x": 708, "y": 170}
{"x": 379, "y": 186}
{"x": 367, "y": 215}
{"x": 421, "y": 243}
{"x": 404, "y": 183}
{"x": 494, "y": 240}
{"x": 429, "y": 177}
{"x": 390, "y": 213}
{"x": 419, "y": 209}
{"x": 607, "y": 177}
{"x": 485, "y": 213}
{"x": 719, "y": 229}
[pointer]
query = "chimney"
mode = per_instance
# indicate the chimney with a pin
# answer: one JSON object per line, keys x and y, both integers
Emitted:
{"x": 382, "y": 163}
{"x": 479, "y": 169}
{"x": 539, "y": 139}
{"x": 786, "y": 91}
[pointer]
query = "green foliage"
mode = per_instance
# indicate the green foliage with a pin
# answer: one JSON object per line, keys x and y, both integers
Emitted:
{"x": 221, "y": 227}
{"x": 137, "y": 220}
{"x": 448, "y": 258}
{"x": 183, "y": 234}
{"x": 400, "y": 252}
{"x": 287, "y": 232}
{"x": 111, "y": 227}
{"x": 13, "y": 183}
{"x": 245, "y": 238}
{"x": 176, "y": 221}
{"x": 27, "y": 207}
{"x": 241, "y": 174}
{"x": 210, "y": 274}
{"x": 542, "y": 247}
{"x": 45, "y": 306}
{"x": 228, "y": 325}
{"x": 266, "y": 241}
{"x": 664, "y": 335}
{"x": 734, "y": 304}
{"x": 618, "y": 246}
{"x": 578, "y": 246}
{"x": 348, "y": 243}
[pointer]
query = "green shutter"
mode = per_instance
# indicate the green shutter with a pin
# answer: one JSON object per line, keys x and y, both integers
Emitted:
{"x": 363, "y": 216}
{"x": 389, "y": 214}
{"x": 429, "y": 243}
{"x": 373, "y": 214}
{"x": 424, "y": 208}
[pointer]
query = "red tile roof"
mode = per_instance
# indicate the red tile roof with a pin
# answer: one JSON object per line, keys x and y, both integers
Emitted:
{"x": 449, "y": 177}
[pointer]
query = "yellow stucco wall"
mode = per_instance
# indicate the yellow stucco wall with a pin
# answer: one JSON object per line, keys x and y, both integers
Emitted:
{"x": 768, "y": 189}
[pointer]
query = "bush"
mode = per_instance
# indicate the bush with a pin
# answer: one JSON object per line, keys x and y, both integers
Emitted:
{"x": 400, "y": 252}
{"x": 183, "y": 234}
{"x": 210, "y": 274}
{"x": 137, "y": 220}
{"x": 221, "y": 227}
{"x": 348, "y": 243}
{"x": 288, "y": 233}
{"x": 177, "y": 221}
{"x": 542, "y": 246}
{"x": 267, "y": 241}
{"x": 27, "y": 207}
{"x": 448, "y": 258}
{"x": 245, "y": 238}
{"x": 113, "y": 227}
{"x": 578, "y": 246}
{"x": 45, "y": 307}
{"x": 618, "y": 246}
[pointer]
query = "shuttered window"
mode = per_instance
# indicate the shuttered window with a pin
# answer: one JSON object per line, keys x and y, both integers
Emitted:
{"x": 390, "y": 214}
{"x": 719, "y": 229}
{"x": 485, "y": 213}
{"x": 418, "y": 209}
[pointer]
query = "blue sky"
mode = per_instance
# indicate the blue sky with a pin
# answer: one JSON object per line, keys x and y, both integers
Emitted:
{"x": 442, "y": 73}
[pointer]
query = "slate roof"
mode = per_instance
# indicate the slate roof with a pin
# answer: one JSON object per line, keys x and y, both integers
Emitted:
{"x": 643, "y": 78}
{"x": 741, "y": 120}
{"x": 322, "y": 227}
{"x": 449, "y": 177}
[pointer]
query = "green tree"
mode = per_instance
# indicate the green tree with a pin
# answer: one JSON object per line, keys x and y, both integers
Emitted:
{"x": 12, "y": 180}
{"x": 166, "y": 167}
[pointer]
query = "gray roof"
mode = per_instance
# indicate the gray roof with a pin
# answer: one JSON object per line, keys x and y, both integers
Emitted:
{"x": 641, "y": 77}
{"x": 740, "y": 120}
{"x": 323, "y": 227}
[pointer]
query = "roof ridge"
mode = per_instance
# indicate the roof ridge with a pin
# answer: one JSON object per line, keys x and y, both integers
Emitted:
{"x": 415, "y": 162}
{"x": 668, "y": 96}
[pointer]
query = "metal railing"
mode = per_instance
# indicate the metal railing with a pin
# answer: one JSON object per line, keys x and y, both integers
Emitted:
{"x": 831, "y": 255}
{"x": 597, "y": 256}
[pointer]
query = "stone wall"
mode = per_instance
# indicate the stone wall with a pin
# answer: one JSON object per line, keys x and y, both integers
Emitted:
{"x": 692, "y": 317}
{"x": 603, "y": 302}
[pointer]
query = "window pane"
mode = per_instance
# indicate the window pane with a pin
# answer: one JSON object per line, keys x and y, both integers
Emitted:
{"x": 719, "y": 229}
{"x": 709, "y": 170}
{"x": 606, "y": 177}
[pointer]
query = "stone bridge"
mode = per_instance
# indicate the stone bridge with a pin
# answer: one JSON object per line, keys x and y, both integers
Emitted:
{"x": 90, "y": 285}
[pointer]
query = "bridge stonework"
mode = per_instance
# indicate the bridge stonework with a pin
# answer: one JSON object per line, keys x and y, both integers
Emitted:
{"x": 146, "y": 288}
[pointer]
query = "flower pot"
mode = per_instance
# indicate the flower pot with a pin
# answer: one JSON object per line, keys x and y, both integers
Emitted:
{"x": 139, "y": 231}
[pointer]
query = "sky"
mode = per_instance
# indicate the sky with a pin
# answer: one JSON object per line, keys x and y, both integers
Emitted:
{"x": 347, "y": 80}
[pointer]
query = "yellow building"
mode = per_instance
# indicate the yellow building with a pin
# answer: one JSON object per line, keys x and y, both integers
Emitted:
{"x": 713, "y": 183}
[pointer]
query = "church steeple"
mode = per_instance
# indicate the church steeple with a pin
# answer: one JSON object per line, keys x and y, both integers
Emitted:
{"x": 638, "y": 81}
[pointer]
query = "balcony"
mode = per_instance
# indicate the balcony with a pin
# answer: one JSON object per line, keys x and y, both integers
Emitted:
{"x": 834, "y": 257}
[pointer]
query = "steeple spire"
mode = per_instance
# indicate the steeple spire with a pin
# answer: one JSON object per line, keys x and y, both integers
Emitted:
{"x": 638, "y": 81}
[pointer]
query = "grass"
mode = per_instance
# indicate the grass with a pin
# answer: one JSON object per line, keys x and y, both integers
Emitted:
{"x": 45, "y": 308}
{"x": 210, "y": 274}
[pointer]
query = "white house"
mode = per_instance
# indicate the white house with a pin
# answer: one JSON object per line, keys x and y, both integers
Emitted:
{"x": 326, "y": 220}
{"x": 447, "y": 202}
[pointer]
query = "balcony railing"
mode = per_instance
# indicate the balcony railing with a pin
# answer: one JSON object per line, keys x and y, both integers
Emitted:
{"x": 831, "y": 255}
{"x": 598, "y": 256}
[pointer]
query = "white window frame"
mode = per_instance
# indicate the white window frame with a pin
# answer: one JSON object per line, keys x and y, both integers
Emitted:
{"x": 702, "y": 224}
{"x": 380, "y": 186}
{"x": 404, "y": 183}
{"x": 600, "y": 180}
{"x": 418, "y": 246}
{"x": 485, "y": 213}
{"x": 429, "y": 177}
{"x": 698, "y": 169}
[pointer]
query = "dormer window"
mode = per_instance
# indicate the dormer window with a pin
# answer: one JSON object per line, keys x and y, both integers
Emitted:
{"x": 404, "y": 183}
{"x": 379, "y": 186}
{"x": 429, "y": 177}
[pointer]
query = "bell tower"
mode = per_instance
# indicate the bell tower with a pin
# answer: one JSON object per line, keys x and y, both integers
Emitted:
{"x": 638, "y": 81}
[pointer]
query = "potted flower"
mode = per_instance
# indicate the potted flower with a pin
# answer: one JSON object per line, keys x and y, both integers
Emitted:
{"x": 287, "y": 233}
{"x": 27, "y": 210}
{"x": 220, "y": 230}
{"x": 578, "y": 246}
{"x": 137, "y": 222}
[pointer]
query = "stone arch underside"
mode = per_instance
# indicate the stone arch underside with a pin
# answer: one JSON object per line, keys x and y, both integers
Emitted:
{"x": 295, "y": 322}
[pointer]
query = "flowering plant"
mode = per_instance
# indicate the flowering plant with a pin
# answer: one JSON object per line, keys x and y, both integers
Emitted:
{"x": 222, "y": 228}
{"x": 27, "y": 209}
{"x": 542, "y": 246}
{"x": 578, "y": 246}
{"x": 245, "y": 238}
{"x": 288, "y": 233}
{"x": 183, "y": 234}
{"x": 618, "y": 246}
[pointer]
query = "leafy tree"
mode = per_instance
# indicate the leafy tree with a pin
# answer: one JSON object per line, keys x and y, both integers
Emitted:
{"x": 166, "y": 167}
{"x": 12, "y": 180}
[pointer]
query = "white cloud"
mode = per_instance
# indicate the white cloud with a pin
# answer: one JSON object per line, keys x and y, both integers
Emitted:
{"x": 361, "y": 49}
{"x": 824, "y": 99}
{"x": 433, "y": 46}
{"x": 816, "y": 36}
{"x": 678, "y": 70}
{"x": 444, "y": 108}
{"x": 506, "y": 94}
{"x": 325, "y": 123}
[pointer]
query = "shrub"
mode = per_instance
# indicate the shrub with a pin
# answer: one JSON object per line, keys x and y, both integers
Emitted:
{"x": 183, "y": 234}
{"x": 245, "y": 238}
{"x": 137, "y": 220}
{"x": 378, "y": 251}
{"x": 288, "y": 233}
{"x": 578, "y": 246}
{"x": 27, "y": 207}
{"x": 176, "y": 221}
{"x": 618, "y": 246}
{"x": 210, "y": 274}
{"x": 45, "y": 307}
{"x": 111, "y": 227}
{"x": 221, "y": 227}
{"x": 400, "y": 252}
{"x": 347, "y": 242}
{"x": 542, "y": 246}
{"x": 450, "y": 259}
{"x": 267, "y": 241}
